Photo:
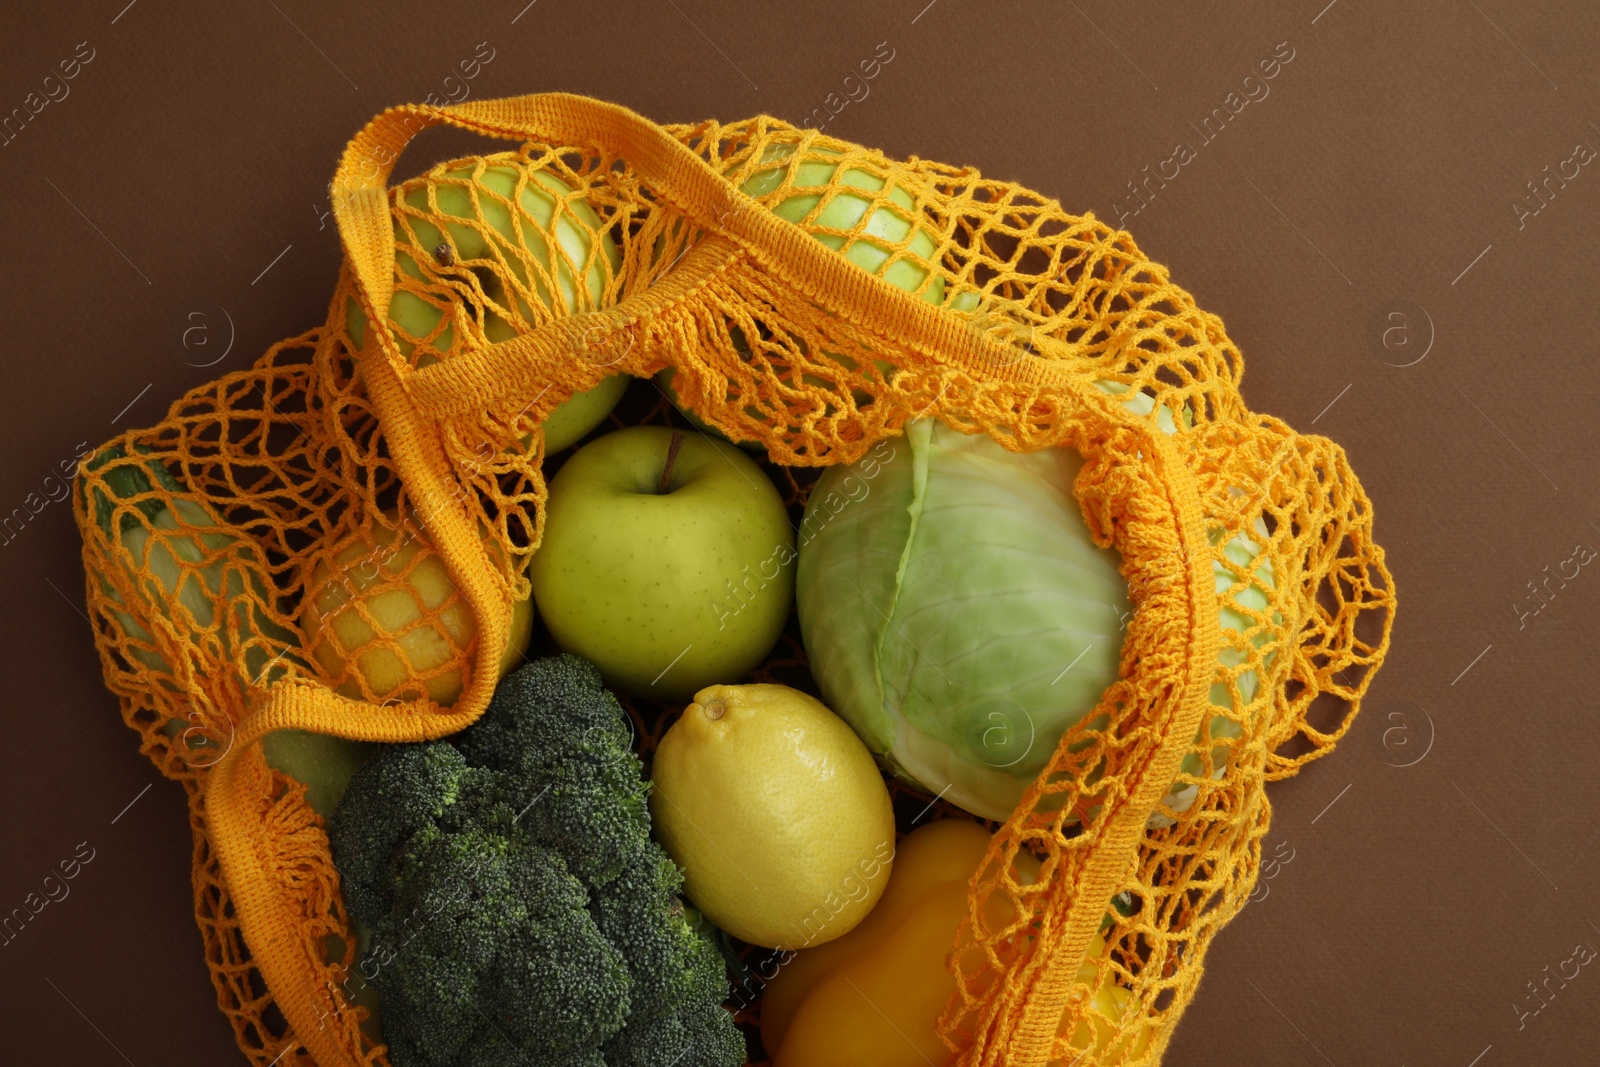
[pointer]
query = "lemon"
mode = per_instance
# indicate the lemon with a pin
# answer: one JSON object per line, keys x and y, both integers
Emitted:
{"x": 776, "y": 812}
{"x": 384, "y": 619}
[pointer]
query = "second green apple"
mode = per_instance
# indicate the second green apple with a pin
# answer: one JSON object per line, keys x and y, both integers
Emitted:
{"x": 667, "y": 561}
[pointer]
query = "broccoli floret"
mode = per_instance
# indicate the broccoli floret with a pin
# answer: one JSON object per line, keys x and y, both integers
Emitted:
{"x": 520, "y": 912}
{"x": 700, "y": 1032}
{"x": 641, "y": 914}
{"x": 559, "y": 731}
{"x": 679, "y": 981}
{"x": 497, "y": 943}
{"x": 401, "y": 793}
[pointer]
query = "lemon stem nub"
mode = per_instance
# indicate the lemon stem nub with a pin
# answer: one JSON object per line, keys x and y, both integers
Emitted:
{"x": 713, "y": 709}
{"x": 675, "y": 443}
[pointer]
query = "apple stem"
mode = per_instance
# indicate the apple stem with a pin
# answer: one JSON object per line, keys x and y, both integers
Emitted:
{"x": 673, "y": 445}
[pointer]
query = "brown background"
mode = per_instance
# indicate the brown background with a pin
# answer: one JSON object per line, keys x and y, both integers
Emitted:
{"x": 1402, "y": 922}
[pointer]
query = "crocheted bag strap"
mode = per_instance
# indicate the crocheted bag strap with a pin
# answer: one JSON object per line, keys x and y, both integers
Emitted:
{"x": 678, "y": 176}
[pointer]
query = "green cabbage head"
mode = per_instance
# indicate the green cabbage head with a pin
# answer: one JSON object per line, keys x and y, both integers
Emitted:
{"x": 956, "y": 611}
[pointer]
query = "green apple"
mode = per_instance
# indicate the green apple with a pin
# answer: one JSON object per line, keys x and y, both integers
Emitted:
{"x": 468, "y": 247}
{"x": 870, "y": 249}
{"x": 572, "y": 420}
{"x": 667, "y": 561}
{"x": 324, "y": 763}
{"x": 320, "y": 762}
{"x": 883, "y": 231}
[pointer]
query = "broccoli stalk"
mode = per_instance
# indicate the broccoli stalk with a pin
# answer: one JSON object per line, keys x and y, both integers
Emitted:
{"x": 519, "y": 911}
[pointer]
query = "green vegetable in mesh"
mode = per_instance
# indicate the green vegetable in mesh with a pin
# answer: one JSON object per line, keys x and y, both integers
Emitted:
{"x": 519, "y": 912}
{"x": 958, "y": 614}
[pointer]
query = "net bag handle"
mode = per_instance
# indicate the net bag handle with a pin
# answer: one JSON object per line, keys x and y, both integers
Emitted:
{"x": 680, "y": 177}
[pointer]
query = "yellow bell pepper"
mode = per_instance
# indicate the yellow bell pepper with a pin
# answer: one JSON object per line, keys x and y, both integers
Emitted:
{"x": 873, "y": 996}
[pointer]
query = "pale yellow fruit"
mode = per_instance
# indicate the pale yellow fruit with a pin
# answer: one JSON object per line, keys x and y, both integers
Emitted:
{"x": 1113, "y": 1026}
{"x": 776, "y": 812}
{"x": 384, "y": 621}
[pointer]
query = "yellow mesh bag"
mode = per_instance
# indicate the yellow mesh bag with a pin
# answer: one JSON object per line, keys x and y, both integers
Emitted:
{"x": 203, "y": 534}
